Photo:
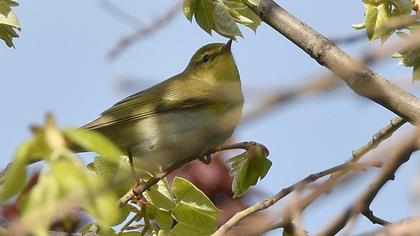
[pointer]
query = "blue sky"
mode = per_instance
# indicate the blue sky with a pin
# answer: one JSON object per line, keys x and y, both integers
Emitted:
{"x": 60, "y": 65}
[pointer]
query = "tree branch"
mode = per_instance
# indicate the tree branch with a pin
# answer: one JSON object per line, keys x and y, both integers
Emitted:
{"x": 357, "y": 154}
{"x": 409, "y": 226}
{"x": 140, "y": 188}
{"x": 368, "y": 213}
{"x": 377, "y": 138}
{"x": 142, "y": 32}
{"x": 358, "y": 77}
{"x": 401, "y": 154}
{"x": 261, "y": 205}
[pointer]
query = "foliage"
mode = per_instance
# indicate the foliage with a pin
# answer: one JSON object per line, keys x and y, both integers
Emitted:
{"x": 247, "y": 168}
{"x": 8, "y": 22}
{"x": 410, "y": 57}
{"x": 184, "y": 204}
{"x": 66, "y": 185}
{"x": 384, "y": 17}
{"x": 222, "y": 15}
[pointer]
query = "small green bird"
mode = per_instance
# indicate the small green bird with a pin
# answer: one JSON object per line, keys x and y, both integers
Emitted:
{"x": 183, "y": 116}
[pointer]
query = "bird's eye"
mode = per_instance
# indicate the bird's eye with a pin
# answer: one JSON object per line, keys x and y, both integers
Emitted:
{"x": 206, "y": 58}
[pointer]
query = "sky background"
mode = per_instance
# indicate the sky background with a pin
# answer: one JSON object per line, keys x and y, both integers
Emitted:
{"x": 60, "y": 66}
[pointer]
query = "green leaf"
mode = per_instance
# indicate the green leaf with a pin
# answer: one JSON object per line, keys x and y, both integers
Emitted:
{"x": 94, "y": 141}
{"x": 222, "y": 16}
{"x": 224, "y": 23}
{"x": 8, "y": 22}
{"x": 189, "y": 8}
{"x": 247, "y": 168}
{"x": 242, "y": 14}
{"x": 382, "y": 31}
{"x": 15, "y": 176}
{"x": 104, "y": 209}
{"x": 162, "y": 217}
{"x": 159, "y": 196}
{"x": 91, "y": 227}
{"x": 410, "y": 57}
{"x": 358, "y": 26}
{"x": 204, "y": 15}
{"x": 194, "y": 211}
{"x": 183, "y": 229}
{"x": 190, "y": 195}
{"x": 371, "y": 15}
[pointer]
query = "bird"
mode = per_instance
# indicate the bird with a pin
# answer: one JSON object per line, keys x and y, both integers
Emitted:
{"x": 181, "y": 117}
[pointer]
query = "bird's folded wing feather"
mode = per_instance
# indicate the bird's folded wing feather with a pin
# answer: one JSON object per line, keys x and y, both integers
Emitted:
{"x": 164, "y": 97}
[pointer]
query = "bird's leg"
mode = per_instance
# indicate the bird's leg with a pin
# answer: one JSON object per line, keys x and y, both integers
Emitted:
{"x": 138, "y": 197}
{"x": 133, "y": 170}
{"x": 206, "y": 156}
{"x": 206, "y": 159}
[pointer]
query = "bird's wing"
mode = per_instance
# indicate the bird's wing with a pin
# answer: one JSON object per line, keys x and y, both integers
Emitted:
{"x": 163, "y": 97}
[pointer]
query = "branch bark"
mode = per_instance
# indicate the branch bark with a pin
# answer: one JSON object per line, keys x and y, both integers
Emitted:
{"x": 399, "y": 156}
{"x": 358, "y": 77}
{"x": 337, "y": 171}
{"x": 140, "y": 188}
{"x": 408, "y": 227}
{"x": 261, "y": 205}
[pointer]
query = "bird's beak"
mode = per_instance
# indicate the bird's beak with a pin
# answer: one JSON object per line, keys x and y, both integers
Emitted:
{"x": 227, "y": 46}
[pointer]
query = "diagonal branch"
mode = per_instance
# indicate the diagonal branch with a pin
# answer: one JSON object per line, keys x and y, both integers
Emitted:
{"x": 357, "y": 154}
{"x": 368, "y": 213}
{"x": 358, "y": 77}
{"x": 401, "y": 154}
{"x": 140, "y": 188}
{"x": 142, "y": 32}
{"x": 261, "y": 205}
{"x": 377, "y": 138}
{"x": 410, "y": 226}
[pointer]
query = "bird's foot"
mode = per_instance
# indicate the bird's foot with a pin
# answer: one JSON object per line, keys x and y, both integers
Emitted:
{"x": 205, "y": 159}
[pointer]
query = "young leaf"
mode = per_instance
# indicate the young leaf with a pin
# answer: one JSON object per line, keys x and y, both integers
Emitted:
{"x": 8, "y": 22}
{"x": 224, "y": 24}
{"x": 194, "y": 211}
{"x": 222, "y": 16}
{"x": 371, "y": 15}
{"x": 189, "y": 8}
{"x": 159, "y": 196}
{"x": 162, "y": 217}
{"x": 247, "y": 168}
{"x": 94, "y": 141}
{"x": 204, "y": 15}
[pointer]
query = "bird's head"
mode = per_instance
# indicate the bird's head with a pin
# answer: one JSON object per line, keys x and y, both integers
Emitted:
{"x": 214, "y": 59}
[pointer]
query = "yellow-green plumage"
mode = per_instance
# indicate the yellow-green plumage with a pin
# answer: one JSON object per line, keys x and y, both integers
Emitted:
{"x": 183, "y": 116}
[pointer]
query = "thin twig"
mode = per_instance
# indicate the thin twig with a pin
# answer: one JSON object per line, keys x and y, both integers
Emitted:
{"x": 142, "y": 32}
{"x": 400, "y": 154}
{"x": 261, "y": 205}
{"x": 114, "y": 10}
{"x": 357, "y": 154}
{"x": 377, "y": 138}
{"x": 368, "y": 213}
{"x": 347, "y": 39}
{"x": 409, "y": 227}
